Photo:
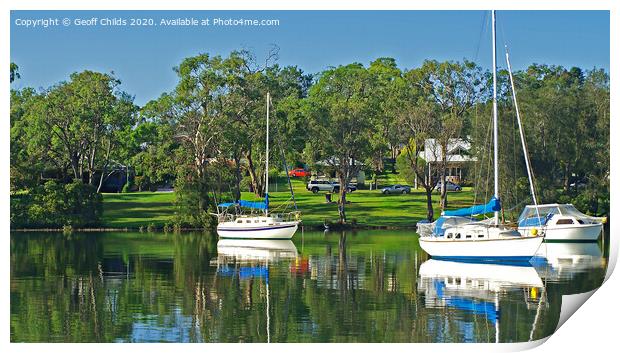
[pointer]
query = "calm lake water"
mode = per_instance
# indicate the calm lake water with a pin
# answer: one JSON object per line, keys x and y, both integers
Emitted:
{"x": 366, "y": 286}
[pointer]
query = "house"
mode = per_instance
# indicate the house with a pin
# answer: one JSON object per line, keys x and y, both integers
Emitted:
{"x": 458, "y": 159}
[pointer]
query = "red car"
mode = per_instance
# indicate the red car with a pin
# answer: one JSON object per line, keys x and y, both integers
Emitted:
{"x": 299, "y": 172}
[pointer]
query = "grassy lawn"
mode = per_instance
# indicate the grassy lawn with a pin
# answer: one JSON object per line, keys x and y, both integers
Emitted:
{"x": 137, "y": 209}
{"x": 367, "y": 207}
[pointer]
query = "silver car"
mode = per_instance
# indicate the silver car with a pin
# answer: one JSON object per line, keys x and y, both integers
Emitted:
{"x": 396, "y": 189}
{"x": 450, "y": 186}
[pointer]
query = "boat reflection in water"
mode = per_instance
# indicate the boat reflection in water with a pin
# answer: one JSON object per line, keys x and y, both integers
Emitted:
{"x": 478, "y": 288}
{"x": 249, "y": 259}
{"x": 244, "y": 250}
{"x": 559, "y": 262}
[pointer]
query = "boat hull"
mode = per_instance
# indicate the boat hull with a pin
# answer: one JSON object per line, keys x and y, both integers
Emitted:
{"x": 581, "y": 232}
{"x": 504, "y": 249}
{"x": 284, "y": 230}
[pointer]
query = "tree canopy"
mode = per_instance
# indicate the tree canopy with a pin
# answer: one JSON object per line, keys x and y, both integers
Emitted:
{"x": 206, "y": 137}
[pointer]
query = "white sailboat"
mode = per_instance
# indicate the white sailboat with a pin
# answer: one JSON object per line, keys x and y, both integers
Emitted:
{"x": 457, "y": 235}
{"x": 256, "y": 226}
{"x": 560, "y": 222}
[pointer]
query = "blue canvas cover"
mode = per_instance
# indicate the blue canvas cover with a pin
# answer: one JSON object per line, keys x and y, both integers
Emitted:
{"x": 249, "y": 204}
{"x": 492, "y": 206}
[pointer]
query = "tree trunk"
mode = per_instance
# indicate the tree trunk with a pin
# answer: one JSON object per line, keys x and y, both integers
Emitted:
{"x": 103, "y": 171}
{"x": 91, "y": 167}
{"x": 256, "y": 182}
{"x": 105, "y": 167}
{"x": 430, "y": 214}
{"x": 566, "y": 177}
{"x": 443, "y": 201}
{"x": 420, "y": 173}
{"x": 237, "y": 195}
{"x": 75, "y": 167}
{"x": 343, "y": 199}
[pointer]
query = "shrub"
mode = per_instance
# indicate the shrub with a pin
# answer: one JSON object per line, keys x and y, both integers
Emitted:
{"x": 142, "y": 183}
{"x": 57, "y": 205}
{"x": 192, "y": 205}
{"x": 127, "y": 187}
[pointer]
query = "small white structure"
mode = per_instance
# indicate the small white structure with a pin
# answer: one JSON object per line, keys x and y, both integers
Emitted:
{"x": 457, "y": 157}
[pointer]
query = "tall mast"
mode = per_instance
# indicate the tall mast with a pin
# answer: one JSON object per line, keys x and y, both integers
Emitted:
{"x": 525, "y": 154}
{"x": 267, "y": 160}
{"x": 495, "y": 144}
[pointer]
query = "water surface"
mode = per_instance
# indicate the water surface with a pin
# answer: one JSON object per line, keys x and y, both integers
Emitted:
{"x": 366, "y": 286}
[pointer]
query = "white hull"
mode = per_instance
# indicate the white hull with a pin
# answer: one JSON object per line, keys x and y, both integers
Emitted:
{"x": 576, "y": 232}
{"x": 281, "y": 230}
{"x": 500, "y": 248}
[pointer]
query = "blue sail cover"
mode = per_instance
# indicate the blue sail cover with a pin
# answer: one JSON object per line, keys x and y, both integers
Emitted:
{"x": 249, "y": 204}
{"x": 252, "y": 204}
{"x": 492, "y": 206}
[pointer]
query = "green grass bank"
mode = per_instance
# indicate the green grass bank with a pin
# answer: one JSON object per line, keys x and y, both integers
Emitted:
{"x": 366, "y": 207}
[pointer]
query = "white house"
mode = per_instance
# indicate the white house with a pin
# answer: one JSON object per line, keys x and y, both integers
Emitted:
{"x": 458, "y": 158}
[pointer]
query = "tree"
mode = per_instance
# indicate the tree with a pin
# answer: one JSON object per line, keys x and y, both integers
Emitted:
{"x": 25, "y": 167}
{"x": 453, "y": 88}
{"x": 14, "y": 72}
{"x": 419, "y": 122}
{"x": 340, "y": 111}
{"x": 157, "y": 152}
{"x": 384, "y": 134}
{"x": 75, "y": 124}
{"x": 196, "y": 115}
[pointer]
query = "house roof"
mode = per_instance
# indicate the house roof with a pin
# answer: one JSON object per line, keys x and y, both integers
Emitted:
{"x": 333, "y": 161}
{"x": 458, "y": 150}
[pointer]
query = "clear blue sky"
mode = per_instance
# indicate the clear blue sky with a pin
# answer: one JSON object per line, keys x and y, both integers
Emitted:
{"x": 143, "y": 57}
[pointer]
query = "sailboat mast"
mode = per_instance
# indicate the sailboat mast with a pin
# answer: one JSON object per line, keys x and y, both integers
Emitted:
{"x": 495, "y": 138}
{"x": 267, "y": 159}
{"x": 525, "y": 154}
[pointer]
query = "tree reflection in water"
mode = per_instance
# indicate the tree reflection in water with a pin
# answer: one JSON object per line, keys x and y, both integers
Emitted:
{"x": 366, "y": 286}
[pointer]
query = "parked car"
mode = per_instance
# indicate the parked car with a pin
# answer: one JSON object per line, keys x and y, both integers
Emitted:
{"x": 396, "y": 189}
{"x": 320, "y": 185}
{"x": 350, "y": 187}
{"x": 298, "y": 172}
{"x": 450, "y": 186}
{"x": 329, "y": 186}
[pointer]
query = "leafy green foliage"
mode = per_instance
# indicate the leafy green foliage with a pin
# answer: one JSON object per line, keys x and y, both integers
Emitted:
{"x": 14, "y": 72}
{"x": 206, "y": 138}
{"x": 56, "y": 205}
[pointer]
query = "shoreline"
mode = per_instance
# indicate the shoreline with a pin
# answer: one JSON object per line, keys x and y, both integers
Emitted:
{"x": 161, "y": 229}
